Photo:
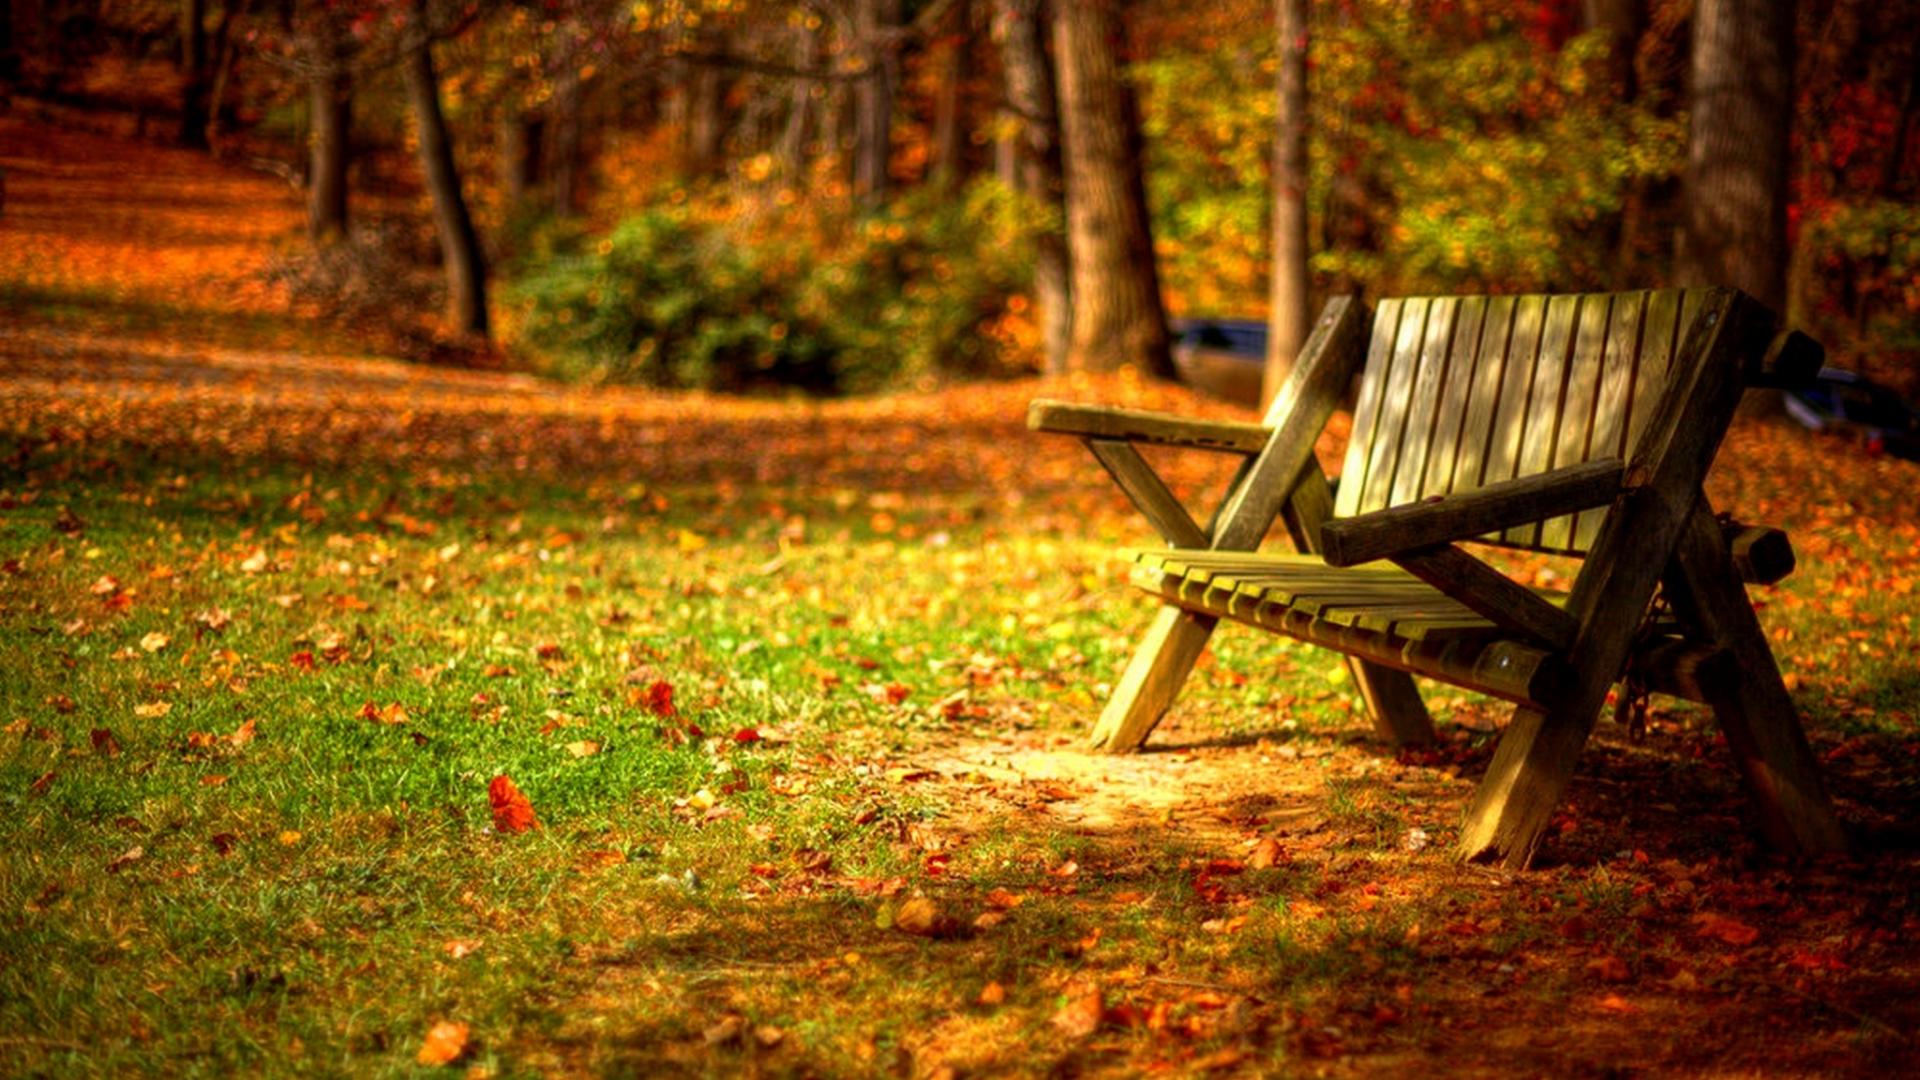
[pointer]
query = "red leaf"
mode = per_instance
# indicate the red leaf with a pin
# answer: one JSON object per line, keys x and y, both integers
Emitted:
{"x": 747, "y": 735}
{"x": 512, "y": 813}
{"x": 658, "y": 699}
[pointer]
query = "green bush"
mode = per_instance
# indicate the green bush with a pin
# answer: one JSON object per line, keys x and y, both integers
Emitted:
{"x": 692, "y": 296}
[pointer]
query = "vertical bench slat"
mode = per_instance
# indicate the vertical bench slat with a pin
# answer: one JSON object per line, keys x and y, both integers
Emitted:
{"x": 1390, "y": 430}
{"x": 1620, "y": 384}
{"x": 1487, "y": 376}
{"x": 1416, "y": 440}
{"x": 1366, "y": 411}
{"x": 1659, "y": 341}
{"x": 1585, "y": 368}
{"x": 1455, "y": 398}
{"x": 1502, "y": 458}
{"x": 1547, "y": 401}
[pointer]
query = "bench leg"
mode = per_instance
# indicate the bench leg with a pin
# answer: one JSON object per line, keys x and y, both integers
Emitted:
{"x": 1399, "y": 715}
{"x": 1531, "y": 768}
{"x": 1153, "y": 678}
{"x": 1762, "y": 727}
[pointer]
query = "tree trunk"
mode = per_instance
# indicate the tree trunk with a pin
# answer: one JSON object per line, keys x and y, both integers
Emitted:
{"x": 1622, "y": 21}
{"x": 193, "y": 65}
{"x": 1030, "y": 96}
{"x": 949, "y": 126}
{"x": 873, "y": 100}
{"x": 1118, "y": 320}
{"x": 1734, "y": 230}
{"x": 9, "y": 57}
{"x": 521, "y": 139}
{"x": 564, "y": 150}
{"x": 459, "y": 243}
{"x": 793, "y": 138}
{"x": 1289, "y": 307}
{"x": 330, "y": 144}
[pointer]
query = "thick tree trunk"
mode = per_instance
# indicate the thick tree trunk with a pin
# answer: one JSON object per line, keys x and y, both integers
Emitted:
{"x": 197, "y": 82}
{"x": 1118, "y": 320}
{"x": 1738, "y": 148}
{"x": 459, "y": 243}
{"x": 1290, "y": 308}
{"x": 1037, "y": 168}
{"x": 330, "y": 144}
{"x": 873, "y": 100}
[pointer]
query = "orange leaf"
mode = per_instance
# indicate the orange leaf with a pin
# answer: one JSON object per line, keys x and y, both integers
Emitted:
{"x": 1732, "y": 931}
{"x": 445, "y": 1044}
{"x": 512, "y": 813}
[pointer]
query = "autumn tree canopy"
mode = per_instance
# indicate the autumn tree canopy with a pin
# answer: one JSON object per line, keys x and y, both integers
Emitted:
{"x": 885, "y": 169}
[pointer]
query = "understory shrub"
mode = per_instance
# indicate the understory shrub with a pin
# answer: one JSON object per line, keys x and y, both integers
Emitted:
{"x": 698, "y": 295}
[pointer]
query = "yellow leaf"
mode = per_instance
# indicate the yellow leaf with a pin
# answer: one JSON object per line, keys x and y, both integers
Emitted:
{"x": 153, "y": 710}
{"x": 155, "y": 641}
{"x": 583, "y": 748}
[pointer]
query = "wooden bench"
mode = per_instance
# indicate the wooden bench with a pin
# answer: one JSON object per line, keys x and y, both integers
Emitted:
{"x": 1577, "y": 425}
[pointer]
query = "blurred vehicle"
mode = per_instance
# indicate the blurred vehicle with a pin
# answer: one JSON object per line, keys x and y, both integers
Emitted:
{"x": 1221, "y": 357}
{"x": 1854, "y": 407}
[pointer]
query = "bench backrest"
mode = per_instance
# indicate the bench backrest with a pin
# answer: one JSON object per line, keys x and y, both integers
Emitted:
{"x": 1459, "y": 392}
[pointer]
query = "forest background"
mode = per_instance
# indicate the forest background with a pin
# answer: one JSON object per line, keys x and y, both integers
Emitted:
{"x": 856, "y": 194}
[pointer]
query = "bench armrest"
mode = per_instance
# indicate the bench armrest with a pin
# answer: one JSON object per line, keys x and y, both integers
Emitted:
{"x": 1497, "y": 506}
{"x": 1140, "y": 426}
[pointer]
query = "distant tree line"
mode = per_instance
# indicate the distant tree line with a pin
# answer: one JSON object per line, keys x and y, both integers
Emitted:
{"x": 1245, "y": 157}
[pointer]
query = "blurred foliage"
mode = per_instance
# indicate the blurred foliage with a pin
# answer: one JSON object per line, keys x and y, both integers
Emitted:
{"x": 700, "y": 292}
{"x": 1451, "y": 152}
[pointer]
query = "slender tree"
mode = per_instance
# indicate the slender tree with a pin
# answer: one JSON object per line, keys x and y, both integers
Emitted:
{"x": 1118, "y": 319}
{"x": 459, "y": 242}
{"x": 196, "y": 81}
{"x": 874, "y": 20}
{"x": 1036, "y": 169}
{"x": 1289, "y": 306}
{"x": 1738, "y": 148}
{"x": 330, "y": 143}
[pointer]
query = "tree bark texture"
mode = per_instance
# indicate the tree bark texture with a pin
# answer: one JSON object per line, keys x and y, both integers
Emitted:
{"x": 1030, "y": 97}
{"x": 1289, "y": 309}
{"x": 330, "y": 144}
{"x": 1623, "y": 21}
{"x": 873, "y": 100}
{"x": 1118, "y": 319}
{"x": 459, "y": 243}
{"x": 1734, "y": 230}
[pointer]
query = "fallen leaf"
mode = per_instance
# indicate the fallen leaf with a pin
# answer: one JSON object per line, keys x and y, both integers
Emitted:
{"x": 445, "y": 1044}
{"x": 1609, "y": 969}
{"x": 1721, "y": 928}
{"x": 583, "y": 748}
{"x": 1082, "y": 1013}
{"x": 460, "y": 950}
{"x": 922, "y": 917}
{"x": 992, "y": 994}
{"x": 726, "y": 1032}
{"x": 155, "y": 641}
{"x": 512, "y": 812}
{"x": 104, "y": 742}
{"x": 153, "y": 710}
{"x": 127, "y": 858}
{"x": 1265, "y": 855}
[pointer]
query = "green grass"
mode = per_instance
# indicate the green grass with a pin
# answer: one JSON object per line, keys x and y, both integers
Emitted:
{"x": 716, "y": 891}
